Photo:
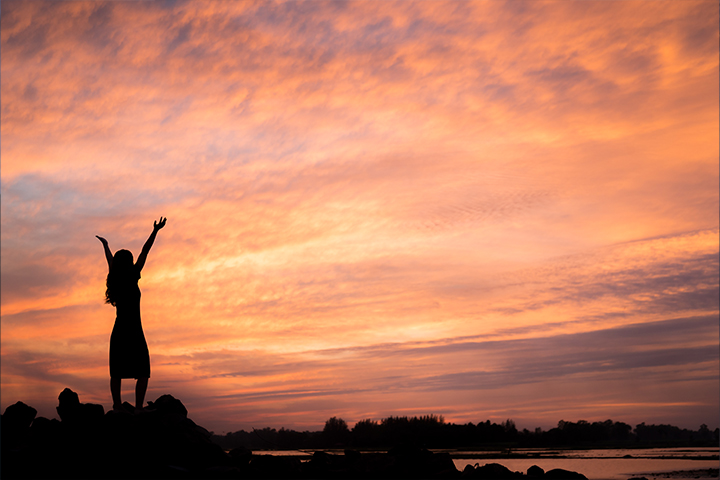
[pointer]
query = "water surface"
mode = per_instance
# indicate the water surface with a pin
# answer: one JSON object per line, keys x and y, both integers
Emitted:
{"x": 601, "y": 464}
{"x": 595, "y": 464}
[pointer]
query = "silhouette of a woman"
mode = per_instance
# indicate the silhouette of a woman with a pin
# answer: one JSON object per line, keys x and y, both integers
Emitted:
{"x": 129, "y": 355}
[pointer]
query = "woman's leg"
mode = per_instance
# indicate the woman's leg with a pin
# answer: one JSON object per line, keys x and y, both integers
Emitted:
{"x": 115, "y": 384}
{"x": 140, "y": 389}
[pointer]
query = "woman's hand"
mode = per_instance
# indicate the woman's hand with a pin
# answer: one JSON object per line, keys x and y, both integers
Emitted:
{"x": 158, "y": 225}
{"x": 108, "y": 253}
{"x": 148, "y": 244}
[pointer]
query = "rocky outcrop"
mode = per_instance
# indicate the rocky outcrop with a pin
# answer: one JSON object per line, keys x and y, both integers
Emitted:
{"x": 157, "y": 442}
{"x": 160, "y": 441}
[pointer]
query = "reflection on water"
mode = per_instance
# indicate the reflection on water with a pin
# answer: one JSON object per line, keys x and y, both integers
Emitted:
{"x": 610, "y": 464}
{"x": 596, "y": 464}
{"x": 290, "y": 453}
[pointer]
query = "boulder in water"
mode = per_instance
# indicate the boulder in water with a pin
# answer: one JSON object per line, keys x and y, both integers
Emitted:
{"x": 560, "y": 474}
{"x": 535, "y": 471}
{"x": 493, "y": 471}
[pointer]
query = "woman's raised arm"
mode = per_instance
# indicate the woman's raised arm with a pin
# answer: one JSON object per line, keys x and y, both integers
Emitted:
{"x": 108, "y": 253}
{"x": 149, "y": 243}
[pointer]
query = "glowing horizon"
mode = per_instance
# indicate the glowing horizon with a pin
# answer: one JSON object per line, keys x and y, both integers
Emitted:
{"x": 481, "y": 210}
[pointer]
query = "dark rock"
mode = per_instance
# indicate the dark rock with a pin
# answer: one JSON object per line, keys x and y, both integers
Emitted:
{"x": 324, "y": 465}
{"x": 169, "y": 404}
{"x": 18, "y": 415}
{"x": 348, "y": 465}
{"x": 377, "y": 465}
{"x": 16, "y": 424}
{"x": 638, "y": 478}
{"x": 68, "y": 398}
{"x": 45, "y": 429}
{"x": 73, "y": 412}
{"x": 352, "y": 456}
{"x": 91, "y": 412}
{"x": 222, "y": 472}
{"x": 441, "y": 465}
{"x": 202, "y": 431}
{"x": 468, "y": 471}
{"x": 493, "y": 471}
{"x": 321, "y": 459}
{"x": 172, "y": 471}
{"x": 535, "y": 471}
{"x": 415, "y": 462}
{"x": 240, "y": 456}
{"x": 560, "y": 474}
{"x": 69, "y": 406}
{"x": 268, "y": 466}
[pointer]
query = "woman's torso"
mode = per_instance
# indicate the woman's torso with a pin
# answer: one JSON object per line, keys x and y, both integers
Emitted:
{"x": 128, "y": 305}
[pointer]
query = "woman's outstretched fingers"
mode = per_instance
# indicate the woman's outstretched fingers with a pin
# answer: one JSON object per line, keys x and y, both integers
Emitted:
{"x": 160, "y": 224}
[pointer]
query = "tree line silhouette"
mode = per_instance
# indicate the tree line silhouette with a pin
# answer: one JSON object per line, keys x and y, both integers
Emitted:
{"x": 431, "y": 431}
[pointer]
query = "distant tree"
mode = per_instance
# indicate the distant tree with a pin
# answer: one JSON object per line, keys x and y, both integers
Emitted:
{"x": 621, "y": 432}
{"x": 431, "y": 431}
{"x": 336, "y": 432}
{"x": 430, "y": 419}
{"x": 510, "y": 429}
{"x": 704, "y": 433}
{"x": 366, "y": 433}
{"x": 662, "y": 434}
{"x": 509, "y": 426}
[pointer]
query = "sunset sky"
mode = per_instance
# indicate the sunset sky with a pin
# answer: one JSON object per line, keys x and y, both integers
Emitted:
{"x": 481, "y": 210}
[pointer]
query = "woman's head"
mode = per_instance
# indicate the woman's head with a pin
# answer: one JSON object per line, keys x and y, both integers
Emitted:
{"x": 123, "y": 259}
{"x": 122, "y": 277}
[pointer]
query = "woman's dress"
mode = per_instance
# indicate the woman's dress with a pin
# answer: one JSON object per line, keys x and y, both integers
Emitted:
{"x": 129, "y": 355}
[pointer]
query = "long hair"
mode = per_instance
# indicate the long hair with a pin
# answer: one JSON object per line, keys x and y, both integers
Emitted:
{"x": 122, "y": 277}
